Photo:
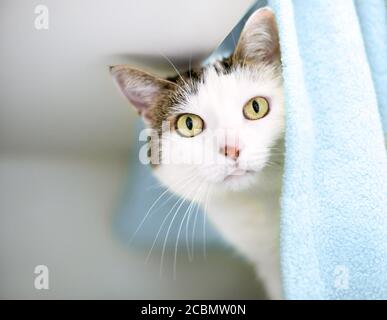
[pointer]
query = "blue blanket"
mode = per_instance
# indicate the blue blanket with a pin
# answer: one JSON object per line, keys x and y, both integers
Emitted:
{"x": 334, "y": 202}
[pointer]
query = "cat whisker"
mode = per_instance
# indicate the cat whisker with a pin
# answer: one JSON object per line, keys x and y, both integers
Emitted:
{"x": 204, "y": 225}
{"x": 174, "y": 67}
{"x": 147, "y": 214}
{"x": 167, "y": 234}
{"x": 157, "y": 200}
{"x": 161, "y": 227}
{"x": 179, "y": 200}
{"x": 197, "y": 204}
{"x": 180, "y": 227}
{"x": 192, "y": 205}
{"x": 190, "y": 68}
{"x": 193, "y": 230}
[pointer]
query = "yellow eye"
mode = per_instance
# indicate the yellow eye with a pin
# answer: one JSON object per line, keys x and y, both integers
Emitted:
{"x": 189, "y": 125}
{"x": 256, "y": 108}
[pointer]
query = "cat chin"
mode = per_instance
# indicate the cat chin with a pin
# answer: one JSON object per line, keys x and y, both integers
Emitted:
{"x": 239, "y": 182}
{"x": 236, "y": 181}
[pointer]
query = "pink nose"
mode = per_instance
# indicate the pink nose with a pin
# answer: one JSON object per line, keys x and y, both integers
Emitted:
{"x": 230, "y": 152}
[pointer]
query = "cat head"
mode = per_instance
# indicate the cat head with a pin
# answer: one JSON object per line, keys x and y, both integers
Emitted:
{"x": 217, "y": 125}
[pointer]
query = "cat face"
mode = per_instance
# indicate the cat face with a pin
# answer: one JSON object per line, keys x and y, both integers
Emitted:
{"x": 215, "y": 126}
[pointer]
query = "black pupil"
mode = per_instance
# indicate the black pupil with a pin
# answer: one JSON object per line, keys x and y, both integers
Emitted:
{"x": 189, "y": 123}
{"x": 255, "y": 106}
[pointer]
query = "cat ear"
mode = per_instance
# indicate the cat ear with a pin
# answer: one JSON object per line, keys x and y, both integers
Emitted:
{"x": 142, "y": 89}
{"x": 259, "y": 40}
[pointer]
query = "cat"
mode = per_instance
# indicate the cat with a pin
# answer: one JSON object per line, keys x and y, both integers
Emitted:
{"x": 238, "y": 105}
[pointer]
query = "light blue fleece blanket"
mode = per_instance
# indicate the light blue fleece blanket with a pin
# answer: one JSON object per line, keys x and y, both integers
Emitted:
{"x": 334, "y": 202}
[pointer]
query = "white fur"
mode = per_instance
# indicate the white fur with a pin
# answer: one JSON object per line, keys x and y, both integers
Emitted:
{"x": 245, "y": 207}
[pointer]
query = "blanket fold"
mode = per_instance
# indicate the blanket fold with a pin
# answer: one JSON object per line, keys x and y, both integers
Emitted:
{"x": 334, "y": 201}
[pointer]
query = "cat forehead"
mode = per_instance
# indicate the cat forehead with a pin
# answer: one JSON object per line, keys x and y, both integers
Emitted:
{"x": 221, "y": 91}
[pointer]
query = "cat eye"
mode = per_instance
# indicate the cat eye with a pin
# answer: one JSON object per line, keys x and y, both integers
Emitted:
{"x": 189, "y": 125}
{"x": 256, "y": 108}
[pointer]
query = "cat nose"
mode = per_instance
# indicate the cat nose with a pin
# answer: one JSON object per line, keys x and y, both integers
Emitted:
{"x": 231, "y": 152}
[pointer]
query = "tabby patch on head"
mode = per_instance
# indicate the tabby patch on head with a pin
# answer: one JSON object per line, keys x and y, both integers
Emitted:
{"x": 226, "y": 116}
